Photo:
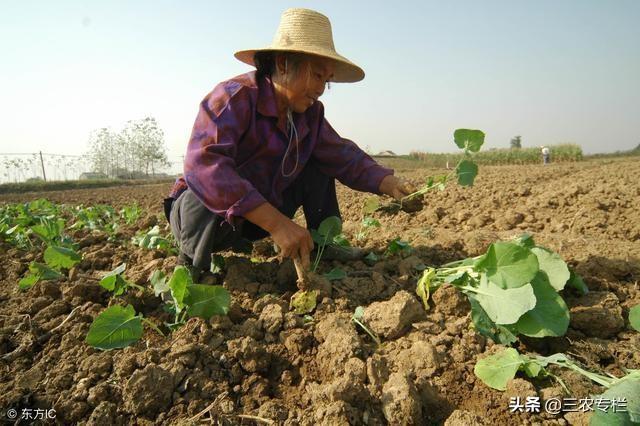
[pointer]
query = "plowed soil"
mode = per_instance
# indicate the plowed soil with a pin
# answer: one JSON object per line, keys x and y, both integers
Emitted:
{"x": 262, "y": 363}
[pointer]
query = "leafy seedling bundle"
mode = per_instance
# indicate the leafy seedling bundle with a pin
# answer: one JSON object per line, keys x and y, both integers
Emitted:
{"x": 513, "y": 289}
{"x": 496, "y": 370}
{"x": 470, "y": 141}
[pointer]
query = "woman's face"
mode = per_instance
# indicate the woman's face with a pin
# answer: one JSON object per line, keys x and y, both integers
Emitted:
{"x": 304, "y": 86}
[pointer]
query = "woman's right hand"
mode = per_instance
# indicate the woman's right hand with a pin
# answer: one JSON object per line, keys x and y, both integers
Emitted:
{"x": 293, "y": 240}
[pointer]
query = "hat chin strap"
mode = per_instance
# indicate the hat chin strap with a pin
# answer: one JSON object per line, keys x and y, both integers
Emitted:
{"x": 292, "y": 132}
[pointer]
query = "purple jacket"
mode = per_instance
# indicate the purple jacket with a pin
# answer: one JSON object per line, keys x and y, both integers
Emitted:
{"x": 234, "y": 157}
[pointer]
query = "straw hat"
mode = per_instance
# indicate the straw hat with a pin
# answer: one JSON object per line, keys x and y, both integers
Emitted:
{"x": 307, "y": 31}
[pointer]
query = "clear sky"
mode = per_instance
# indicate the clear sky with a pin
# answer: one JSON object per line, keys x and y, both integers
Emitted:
{"x": 551, "y": 71}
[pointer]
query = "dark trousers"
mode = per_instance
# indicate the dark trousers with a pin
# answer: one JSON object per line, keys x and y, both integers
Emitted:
{"x": 200, "y": 232}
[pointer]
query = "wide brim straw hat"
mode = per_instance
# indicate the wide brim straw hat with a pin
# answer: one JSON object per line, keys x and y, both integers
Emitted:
{"x": 307, "y": 31}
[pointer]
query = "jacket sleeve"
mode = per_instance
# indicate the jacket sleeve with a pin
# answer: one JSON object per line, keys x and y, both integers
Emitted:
{"x": 344, "y": 160}
{"x": 210, "y": 165}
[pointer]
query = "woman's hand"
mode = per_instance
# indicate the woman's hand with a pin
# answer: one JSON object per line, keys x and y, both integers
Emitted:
{"x": 396, "y": 187}
{"x": 293, "y": 240}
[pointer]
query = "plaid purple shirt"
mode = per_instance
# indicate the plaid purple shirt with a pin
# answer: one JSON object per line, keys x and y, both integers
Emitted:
{"x": 234, "y": 157}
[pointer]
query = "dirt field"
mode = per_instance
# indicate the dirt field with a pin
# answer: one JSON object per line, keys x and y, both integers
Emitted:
{"x": 264, "y": 361}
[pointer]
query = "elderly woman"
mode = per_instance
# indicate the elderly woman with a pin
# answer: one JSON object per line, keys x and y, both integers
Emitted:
{"x": 261, "y": 148}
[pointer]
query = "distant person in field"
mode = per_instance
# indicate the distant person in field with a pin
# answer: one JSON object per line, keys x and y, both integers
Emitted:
{"x": 546, "y": 155}
{"x": 261, "y": 147}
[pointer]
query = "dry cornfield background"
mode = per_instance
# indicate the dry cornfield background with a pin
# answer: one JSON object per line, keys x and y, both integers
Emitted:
{"x": 262, "y": 363}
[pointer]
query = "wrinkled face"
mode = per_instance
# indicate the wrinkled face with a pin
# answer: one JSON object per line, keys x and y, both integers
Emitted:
{"x": 303, "y": 87}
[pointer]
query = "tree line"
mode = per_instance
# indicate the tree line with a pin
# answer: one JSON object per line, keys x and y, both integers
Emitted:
{"x": 138, "y": 150}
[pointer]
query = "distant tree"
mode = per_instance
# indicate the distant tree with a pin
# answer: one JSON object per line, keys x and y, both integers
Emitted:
{"x": 516, "y": 142}
{"x": 138, "y": 149}
{"x": 149, "y": 145}
{"x": 102, "y": 151}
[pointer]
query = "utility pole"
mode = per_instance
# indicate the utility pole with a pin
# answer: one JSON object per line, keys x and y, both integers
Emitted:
{"x": 44, "y": 175}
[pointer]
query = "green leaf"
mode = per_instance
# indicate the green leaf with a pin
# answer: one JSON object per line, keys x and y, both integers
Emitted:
{"x": 397, "y": 245}
{"x": 359, "y": 313}
{"x": 504, "y": 306}
{"x": 483, "y": 325}
{"x": 628, "y": 388}
{"x": 61, "y": 257}
{"x": 44, "y": 271}
{"x": 340, "y": 240}
{"x": 496, "y": 370}
{"x": 525, "y": 240}
{"x": 634, "y": 317}
{"x": 553, "y": 266}
{"x": 532, "y": 369}
{"x": 180, "y": 279}
{"x": 28, "y": 281}
{"x": 207, "y": 300}
{"x": 466, "y": 171}
{"x": 115, "y": 327}
{"x": 114, "y": 281}
{"x": 423, "y": 287}
{"x": 115, "y": 284}
{"x": 37, "y": 272}
{"x": 330, "y": 227}
{"x": 159, "y": 282}
{"x": 508, "y": 265}
{"x": 371, "y": 258}
{"x": 304, "y": 302}
{"x": 469, "y": 139}
{"x": 369, "y": 222}
{"x": 335, "y": 274}
{"x": 316, "y": 237}
{"x": 577, "y": 282}
{"x": 371, "y": 204}
{"x": 217, "y": 264}
{"x": 550, "y": 317}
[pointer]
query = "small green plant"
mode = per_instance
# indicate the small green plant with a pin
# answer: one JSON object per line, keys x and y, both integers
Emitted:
{"x": 38, "y": 272}
{"x": 116, "y": 283}
{"x": 367, "y": 224}
{"x": 398, "y": 246}
{"x": 56, "y": 260}
{"x": 329, "y": 229}
{"x": 513, "y": 289}
{"x": 153, "y": 240}
{"x": 191, "y": 299}
{"x": 130, "y": 214}
{"x": 118, "y": 327}
{"x": 358, "y": 318}
{"x": 51, "y": 231}
{"x": 496, "y": 370}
